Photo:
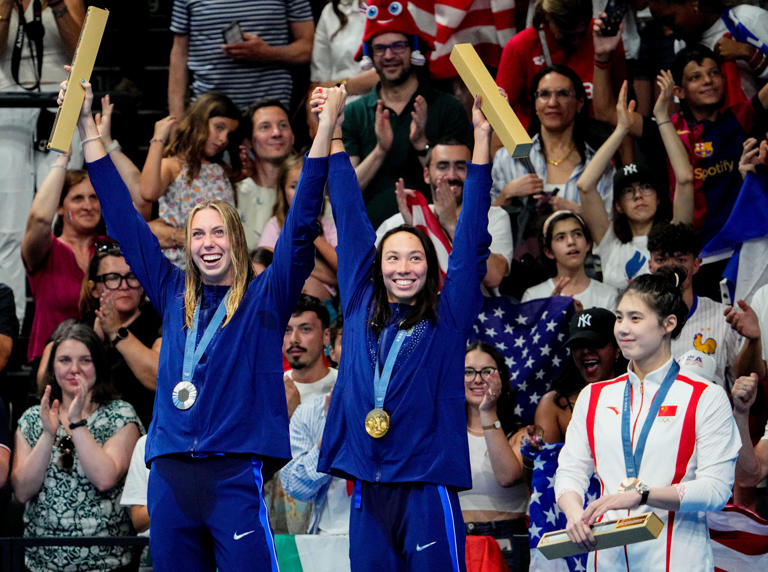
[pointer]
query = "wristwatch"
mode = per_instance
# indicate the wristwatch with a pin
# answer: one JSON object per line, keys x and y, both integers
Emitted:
{"x": 636, "y": 484}
{"x": 120, "y": 335}
{"x": 495, "y": 425}
{"x": 76, "y": 424}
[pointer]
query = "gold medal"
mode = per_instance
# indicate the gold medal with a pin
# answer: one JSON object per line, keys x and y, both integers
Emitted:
{"x": 377, "y": 423}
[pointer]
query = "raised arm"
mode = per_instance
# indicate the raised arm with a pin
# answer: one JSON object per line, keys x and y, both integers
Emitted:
{"x": 752, "y": 463}
{"x": 178, "y": 74}
{"x": 467, "y": 262}
{"x": 158, "y": 173}
{"x": 38, "y": 235}
{"x": 367, "y": 168}
{"x": 678, "y": 156}
{"x": 139, "y": 245}
{"x": 128, "y": 171}
{"x": 31, "y": 461}
{"x": 593, "y": 209}
{"x": 603, "y": 94}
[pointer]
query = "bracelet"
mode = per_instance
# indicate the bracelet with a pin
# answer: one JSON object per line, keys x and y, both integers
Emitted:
{"x": 602, "y": 65}
{"x": 757, "y": 61}
{"x": 114, "y": 146}
{"x": 337, "y": 139}
{"x": 156, "y": 140}
{"x": 89, "y": 139}
{"x": 60, "y": 12}
{"x": 76, "y": 424}
{"x": 663, "y": 123}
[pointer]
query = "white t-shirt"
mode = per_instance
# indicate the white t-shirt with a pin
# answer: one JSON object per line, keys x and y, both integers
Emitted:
{"x": 136, "y": 480}
{"x": 622, "y": 262}
{"x": 333, "y": 56}
{"x": 486, "y": 492}
{"x": 320, "y": 387}
{"x": 255, "y": 204}
{"x": 596, "y": 295}
{"x": 334, "y": 519}
{"x": 707, "y": 331}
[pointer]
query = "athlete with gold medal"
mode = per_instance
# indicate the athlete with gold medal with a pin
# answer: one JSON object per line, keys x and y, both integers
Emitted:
{"x": 396, "y": 423}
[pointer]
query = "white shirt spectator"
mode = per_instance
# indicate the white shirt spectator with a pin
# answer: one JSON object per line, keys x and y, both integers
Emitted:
{"x": 596, "y": 295}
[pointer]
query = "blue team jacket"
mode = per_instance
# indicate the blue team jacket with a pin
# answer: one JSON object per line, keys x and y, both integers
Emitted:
{"x": 241, "y": 405}
{"x": 427, "y": 440}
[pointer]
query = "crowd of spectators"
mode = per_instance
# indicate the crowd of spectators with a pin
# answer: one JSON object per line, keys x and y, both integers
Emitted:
{"x": 643, "y": 138}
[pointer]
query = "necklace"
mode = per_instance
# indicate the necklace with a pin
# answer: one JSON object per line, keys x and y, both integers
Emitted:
{"x": 564, "y": 157}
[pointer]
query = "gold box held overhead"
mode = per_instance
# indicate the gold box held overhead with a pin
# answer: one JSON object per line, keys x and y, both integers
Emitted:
{"x": 82, "y": 66}
{"x": 498, "y": 111}
{"x": 608, "y": 534}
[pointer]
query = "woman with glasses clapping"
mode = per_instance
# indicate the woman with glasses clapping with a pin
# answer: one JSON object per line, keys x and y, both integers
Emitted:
{"x": 72, "y": 454}
{"x": 497, "y": 502}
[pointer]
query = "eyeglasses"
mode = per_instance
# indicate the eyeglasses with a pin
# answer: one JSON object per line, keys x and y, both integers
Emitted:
{"x": 397, "y": 48}
{"x": 113, "y": 280}
{"x": 66, "y": 453}
{"x": 485, "y": 374}
{"x": 643, "y": 189}
{"x": 560, "y": 94}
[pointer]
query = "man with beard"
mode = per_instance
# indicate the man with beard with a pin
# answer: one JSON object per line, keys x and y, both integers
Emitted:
{"x": 445, "y": 173}
{"x": 387, "y": 132}
{"x": 270, "y": 143}
{"x": 305, "y": 337}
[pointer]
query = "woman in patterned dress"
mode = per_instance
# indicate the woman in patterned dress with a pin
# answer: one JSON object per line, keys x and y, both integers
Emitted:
{"x": 72, "y": 454}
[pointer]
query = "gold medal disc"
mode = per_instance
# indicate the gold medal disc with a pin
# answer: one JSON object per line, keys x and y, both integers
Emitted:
{"x": 377, "y": 423}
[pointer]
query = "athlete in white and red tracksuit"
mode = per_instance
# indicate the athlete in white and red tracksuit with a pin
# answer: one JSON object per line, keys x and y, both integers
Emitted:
{"x": 689, "y": 458}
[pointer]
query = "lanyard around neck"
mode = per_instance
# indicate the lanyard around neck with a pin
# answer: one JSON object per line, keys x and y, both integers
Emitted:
{"x": 192, "y": 354}
{"x": 632, "y": 460}
{"x": 381, "y": 377}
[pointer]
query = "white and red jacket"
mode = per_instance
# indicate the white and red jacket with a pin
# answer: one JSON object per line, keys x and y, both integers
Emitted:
{"x": 693, "y": 443}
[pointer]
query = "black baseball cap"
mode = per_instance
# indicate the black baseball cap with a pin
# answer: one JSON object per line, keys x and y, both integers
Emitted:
{"x": 632, "y": 173}
{"x": 594, "y": 326}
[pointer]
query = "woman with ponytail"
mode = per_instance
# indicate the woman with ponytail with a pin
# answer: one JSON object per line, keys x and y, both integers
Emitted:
{"x": 658, "y": 440}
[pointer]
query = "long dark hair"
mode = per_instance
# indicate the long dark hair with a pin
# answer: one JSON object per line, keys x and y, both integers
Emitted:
{"x": 103, "y": 390}
{"x": 425, "y": 306}
{"x": 505, "y": 406}
{"x": 621, "y": 227}
{"x": 580, "y": 122}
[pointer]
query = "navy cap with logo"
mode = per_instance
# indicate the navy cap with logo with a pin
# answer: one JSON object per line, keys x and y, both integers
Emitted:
{"x": 631, "y": 173}
{"x": 593, "y": 326}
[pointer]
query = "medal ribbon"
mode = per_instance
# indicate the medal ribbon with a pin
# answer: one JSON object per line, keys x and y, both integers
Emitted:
{"x": 381, "y": 377}
{"x": 632, "y": 460}
{"x": 193, "y": 354}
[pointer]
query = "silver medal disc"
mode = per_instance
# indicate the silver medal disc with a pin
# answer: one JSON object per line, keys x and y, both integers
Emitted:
{"x": 184, "y": 395}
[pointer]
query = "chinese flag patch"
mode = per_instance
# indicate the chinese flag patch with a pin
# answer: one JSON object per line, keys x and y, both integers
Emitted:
{"x": 668, "y": 411}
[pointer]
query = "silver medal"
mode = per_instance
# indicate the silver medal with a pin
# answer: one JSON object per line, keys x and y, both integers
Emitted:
{"x": 184, "y": 395}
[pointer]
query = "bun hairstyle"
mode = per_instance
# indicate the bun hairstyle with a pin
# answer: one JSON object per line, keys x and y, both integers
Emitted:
{"x": 662, "y": 292}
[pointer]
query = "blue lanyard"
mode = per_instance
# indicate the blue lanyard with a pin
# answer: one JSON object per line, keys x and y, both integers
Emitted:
{"x": 740, "y": 33}
{"x": 632, "y": 461}
{"x": 381, "y": 378}
{"x": 193, "y": 354}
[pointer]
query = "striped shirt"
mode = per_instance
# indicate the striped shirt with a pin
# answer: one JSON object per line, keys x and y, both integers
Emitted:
{"x": 243, "y": 81}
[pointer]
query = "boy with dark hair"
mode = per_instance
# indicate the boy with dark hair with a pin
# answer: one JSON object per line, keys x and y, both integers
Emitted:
{"x": 706, "y": 329}
{"x": 713, "y": 138}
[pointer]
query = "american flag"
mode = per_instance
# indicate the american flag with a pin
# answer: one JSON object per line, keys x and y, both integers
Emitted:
{"x": 739, "y": 539}
{"x": 531, "y": 337}
{"x": 545, "y": 515}
{"x": 486, "y": 24}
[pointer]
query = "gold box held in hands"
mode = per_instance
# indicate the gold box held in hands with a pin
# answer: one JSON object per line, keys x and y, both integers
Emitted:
{"x": 498, "y": 111}
{"x": 82, "y": 66}
{"x": 608, "y": 534}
